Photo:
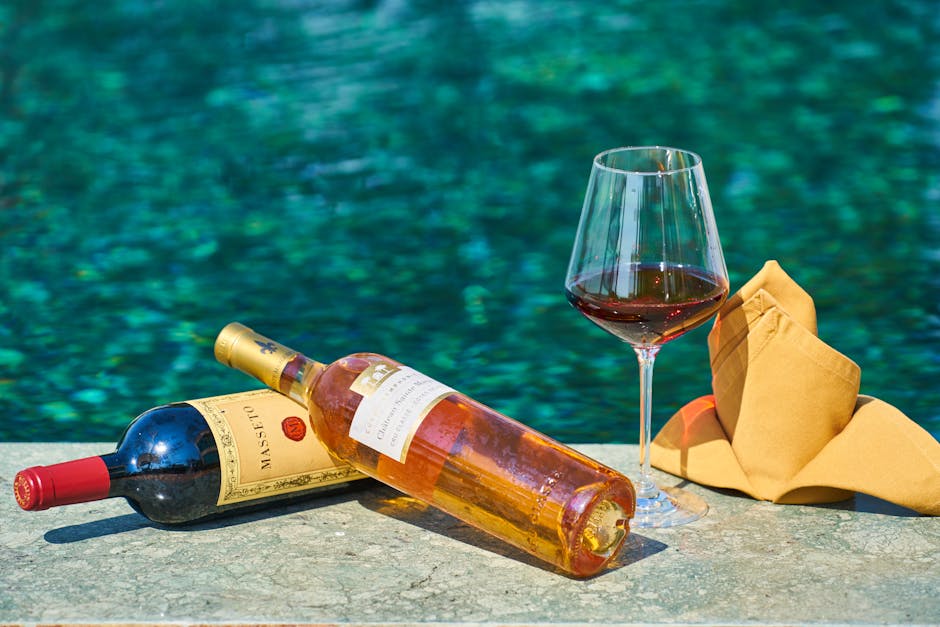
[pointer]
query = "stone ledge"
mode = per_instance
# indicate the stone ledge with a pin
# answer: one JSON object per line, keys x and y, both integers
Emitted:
{"x": 374, "y": 557}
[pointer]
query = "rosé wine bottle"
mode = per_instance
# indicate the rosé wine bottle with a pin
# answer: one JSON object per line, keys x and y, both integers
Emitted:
{"x": 435, "y": 444}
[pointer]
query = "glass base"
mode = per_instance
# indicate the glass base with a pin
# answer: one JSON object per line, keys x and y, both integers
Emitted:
{"x": 670, "y": 508}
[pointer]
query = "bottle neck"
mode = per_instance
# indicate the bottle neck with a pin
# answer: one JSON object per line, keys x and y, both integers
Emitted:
{"x": 77, "y": 481}
{"x": 275, "y": 365}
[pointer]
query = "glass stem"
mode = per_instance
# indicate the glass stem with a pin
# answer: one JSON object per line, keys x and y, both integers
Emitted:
{"x": 645, "y": 488}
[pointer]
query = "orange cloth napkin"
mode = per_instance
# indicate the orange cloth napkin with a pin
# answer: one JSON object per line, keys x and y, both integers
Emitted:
{"x": 786, "y": 422}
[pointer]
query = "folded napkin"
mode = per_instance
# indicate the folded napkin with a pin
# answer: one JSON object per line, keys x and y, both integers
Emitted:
{"x": 786, "y": 422}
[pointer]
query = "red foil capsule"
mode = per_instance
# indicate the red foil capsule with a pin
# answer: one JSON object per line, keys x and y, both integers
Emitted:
{"x": 78, "y": 481}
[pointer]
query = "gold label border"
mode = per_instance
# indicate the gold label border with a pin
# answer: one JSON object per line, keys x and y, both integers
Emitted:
{"x": 319, "y": 469}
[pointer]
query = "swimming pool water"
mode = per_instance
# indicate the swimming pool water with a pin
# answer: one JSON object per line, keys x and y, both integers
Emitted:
{"x": 406, "y": 178}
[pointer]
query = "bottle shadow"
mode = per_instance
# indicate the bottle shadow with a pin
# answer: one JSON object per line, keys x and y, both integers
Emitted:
{"x": 377, "y": 498}
{"x": 130, "y": 522}
{"x": 96, "y": 529}
{"x": 407, "y": 509}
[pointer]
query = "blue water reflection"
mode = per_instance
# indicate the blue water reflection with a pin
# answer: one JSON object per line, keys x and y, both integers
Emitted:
{"x": 406, "y": 178}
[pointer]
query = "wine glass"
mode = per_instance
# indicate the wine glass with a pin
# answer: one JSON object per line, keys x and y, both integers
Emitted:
{"x": 646, "y": 267}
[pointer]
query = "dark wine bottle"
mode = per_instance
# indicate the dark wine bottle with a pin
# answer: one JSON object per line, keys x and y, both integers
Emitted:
{"x": 188, "y": 461}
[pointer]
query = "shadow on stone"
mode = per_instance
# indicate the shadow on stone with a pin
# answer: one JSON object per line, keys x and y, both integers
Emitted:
{"x": 96, "y": 529}
{"x": 870, "y": 505}
{"x": 635, "y": 549}
{"x": 133, "y": 521}
{"x": 861, "y": 503}
{"x": 407, "y": 509}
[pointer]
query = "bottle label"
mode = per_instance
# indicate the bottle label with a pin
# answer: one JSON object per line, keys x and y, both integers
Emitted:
{"x": 396, "y": 399}
{"x": 266, "y": 446}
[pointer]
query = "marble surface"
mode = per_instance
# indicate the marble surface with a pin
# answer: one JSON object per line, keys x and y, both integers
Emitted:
{"x": 373, "y": 557}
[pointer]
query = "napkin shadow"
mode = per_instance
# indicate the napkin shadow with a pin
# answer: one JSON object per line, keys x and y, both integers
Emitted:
{"x": 861, "y": 503}
{"x": 390, "y": 502}
{"x": 867, "y": 504}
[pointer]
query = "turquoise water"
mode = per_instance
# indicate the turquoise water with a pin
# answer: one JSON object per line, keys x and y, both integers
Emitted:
{"x": 406, "y": 178}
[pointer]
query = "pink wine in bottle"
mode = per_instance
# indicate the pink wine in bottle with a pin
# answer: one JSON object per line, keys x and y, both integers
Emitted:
{"x": 424, "y": 438}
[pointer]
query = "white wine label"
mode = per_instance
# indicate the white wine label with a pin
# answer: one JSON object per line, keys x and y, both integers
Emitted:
{"x": 266, "y": 446}
{"x": 396, "y": 399}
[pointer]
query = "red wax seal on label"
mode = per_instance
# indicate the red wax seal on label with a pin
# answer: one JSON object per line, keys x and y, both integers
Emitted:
{"x": 294, "y": 428}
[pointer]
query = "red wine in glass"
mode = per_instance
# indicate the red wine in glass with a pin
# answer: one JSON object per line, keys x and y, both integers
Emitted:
{"x": 665, "y": 300}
